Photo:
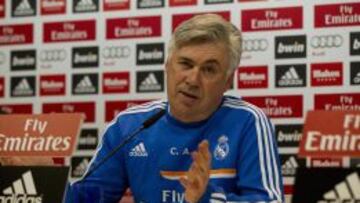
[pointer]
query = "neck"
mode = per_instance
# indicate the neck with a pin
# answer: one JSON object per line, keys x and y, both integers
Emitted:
{"x": 185, "y": 118}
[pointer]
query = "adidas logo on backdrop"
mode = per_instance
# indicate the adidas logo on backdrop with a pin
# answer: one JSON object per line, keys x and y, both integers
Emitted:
{"x": 290, "y": 75}
{"x": 21, "y": 190}
{"x": 347, "y": 191}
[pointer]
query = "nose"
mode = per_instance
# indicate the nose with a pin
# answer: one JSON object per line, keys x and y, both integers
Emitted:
{"x": 193, "y": 76}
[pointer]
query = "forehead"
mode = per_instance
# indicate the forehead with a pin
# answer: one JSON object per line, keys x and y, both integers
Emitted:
{"x": 203, "y": 52}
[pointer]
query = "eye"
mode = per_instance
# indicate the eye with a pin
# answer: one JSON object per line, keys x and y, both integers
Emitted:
{"x": 185, "y": 64}
{"x": 209, "y": 69}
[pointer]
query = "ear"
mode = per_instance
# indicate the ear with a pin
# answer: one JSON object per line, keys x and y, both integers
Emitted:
{"x": 166, "y": 66}
{"x": 229, "y": 81}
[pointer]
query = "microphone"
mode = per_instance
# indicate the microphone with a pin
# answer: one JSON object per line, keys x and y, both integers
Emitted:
{"x": 147, "y": 123}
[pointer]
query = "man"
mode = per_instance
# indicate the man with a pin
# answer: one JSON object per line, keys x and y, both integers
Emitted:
{"x": 206, "y": 148}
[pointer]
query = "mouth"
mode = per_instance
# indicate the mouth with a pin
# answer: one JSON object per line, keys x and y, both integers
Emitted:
{"x": 188, "y": 99}
{"x": 190, "y": 95}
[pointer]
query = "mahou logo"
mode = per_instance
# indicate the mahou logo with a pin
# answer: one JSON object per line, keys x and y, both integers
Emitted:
{"x": 290, "y": 106}
{"x": 52, "y": 85}
{"x": 135, "y": 27}
{"x": 21, "y": 8}
{"x": 177, "y": 19}
{"x": 2, "y": 84}
{"x": 2, "y": 8}
{"x": 335, "y": 15}
{"x": 49, "y": 7}
{"x": 253, "y": 77}
{"x": 326, "y": 74}
{"x": 16, "y": 109}
{"x": 290, "y": 47}
{"x": 87, "y": 108}
{"x": 337, "y": 102}
{"x": 112, "y": 5}
{"x": 81, "y": 30}
{"x": 326, "y": 162}
{"x": 118, "y": 82}
{"x": 272, "y": 19}
{"x": 16, "y": 34}
{"x": 182, "y": 2}
{"x": 113, "y": 108}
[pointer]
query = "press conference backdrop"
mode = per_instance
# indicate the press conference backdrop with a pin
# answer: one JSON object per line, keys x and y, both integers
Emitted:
{"x": 102, "y": 56}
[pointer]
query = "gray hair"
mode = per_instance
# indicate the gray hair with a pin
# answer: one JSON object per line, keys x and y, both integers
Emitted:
{"x": 209, "y": 28}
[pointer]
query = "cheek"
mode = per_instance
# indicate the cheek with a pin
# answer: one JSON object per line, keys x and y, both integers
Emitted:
{"x": 215, "y": 90}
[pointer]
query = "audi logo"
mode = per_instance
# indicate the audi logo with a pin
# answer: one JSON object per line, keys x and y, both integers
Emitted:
{"x": 255, "y": 45}
{"x": 326, "y": 41}
{"x": 116, "y": 52}
{"x": 2, "y": 58}
{"x": 52, "y": 55}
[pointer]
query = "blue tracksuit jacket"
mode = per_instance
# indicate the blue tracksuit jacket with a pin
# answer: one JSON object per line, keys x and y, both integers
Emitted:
{"x": 245, "y": 161}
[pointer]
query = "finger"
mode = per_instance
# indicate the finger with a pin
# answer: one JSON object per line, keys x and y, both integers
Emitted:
{"x": 202, "y": 162}
{"x": 184, "y": 182}
{"x": 191, "y": 173}
{"x": 197, "y": 170}
{"x": 204, "y": 152}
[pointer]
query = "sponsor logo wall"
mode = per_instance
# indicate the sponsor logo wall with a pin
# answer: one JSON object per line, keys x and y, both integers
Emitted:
{"x": 102, "y": 56}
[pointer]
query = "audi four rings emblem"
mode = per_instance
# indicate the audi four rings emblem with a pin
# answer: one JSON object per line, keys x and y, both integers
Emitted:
{"x": 53, "y": 55}
{"x": 326, "y": 41}
{"x": 250, "y": 45}
{"x": 116, "y": 52}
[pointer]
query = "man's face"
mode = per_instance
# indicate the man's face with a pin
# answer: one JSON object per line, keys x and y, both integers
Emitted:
{"x": 196, "y": 80}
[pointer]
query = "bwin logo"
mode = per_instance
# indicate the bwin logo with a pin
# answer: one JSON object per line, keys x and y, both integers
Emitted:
{"x": 22, "y": 190}
{"x": 355, "y": 43}
{"x": 346, "y": 191}
{"x": 294, "y": 48}
{"x": 290, "y": 47}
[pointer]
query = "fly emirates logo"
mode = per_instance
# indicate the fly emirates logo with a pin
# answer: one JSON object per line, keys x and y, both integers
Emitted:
{"x": 333, "y": 15}
{"x": 34, "y": 139}
{"x": 346, "y": 141}
{"x": 172, "y": 196}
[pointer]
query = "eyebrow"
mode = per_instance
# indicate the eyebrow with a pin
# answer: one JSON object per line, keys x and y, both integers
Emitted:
{"x": 210, "y": 61}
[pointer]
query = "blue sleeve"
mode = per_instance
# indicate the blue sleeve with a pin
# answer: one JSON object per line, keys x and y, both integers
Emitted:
{"x": 109, "y": 181}
{"x": 258, "y": 168}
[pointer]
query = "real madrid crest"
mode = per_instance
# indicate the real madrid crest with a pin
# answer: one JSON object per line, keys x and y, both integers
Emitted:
{"x": 222, "y": 148}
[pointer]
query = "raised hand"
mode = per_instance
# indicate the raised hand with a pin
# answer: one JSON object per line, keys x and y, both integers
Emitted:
{"x": 197, "y": 177}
